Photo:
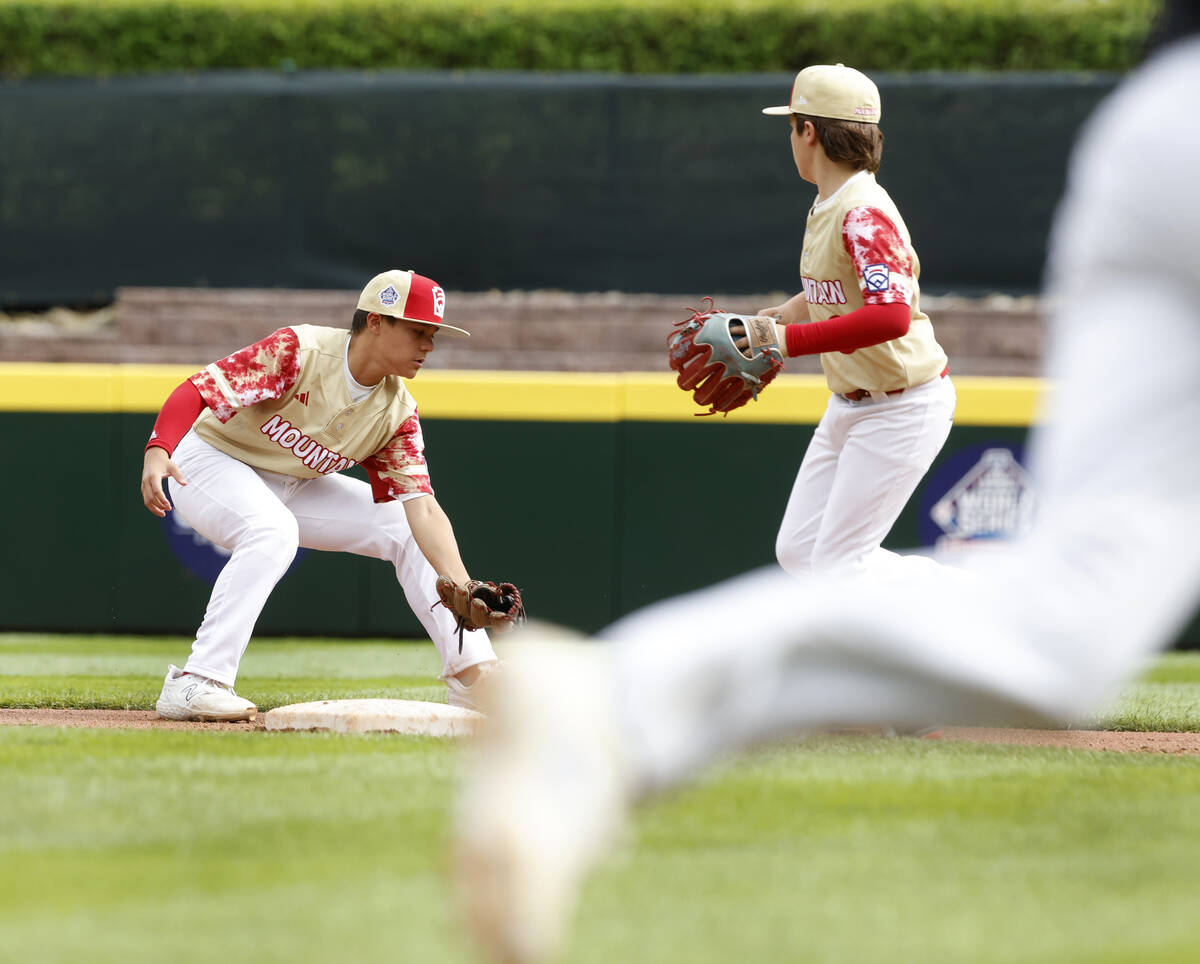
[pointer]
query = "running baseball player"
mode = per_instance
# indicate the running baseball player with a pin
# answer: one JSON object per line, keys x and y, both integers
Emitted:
{"x": 893, "y": 402}
{"x": 254, "y": 446}
{"x": 1055, "y": 623}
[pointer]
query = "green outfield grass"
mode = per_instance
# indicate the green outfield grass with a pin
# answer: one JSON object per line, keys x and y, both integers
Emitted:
{"x": 125, "y": 672}
{"x": 123, "y": 845}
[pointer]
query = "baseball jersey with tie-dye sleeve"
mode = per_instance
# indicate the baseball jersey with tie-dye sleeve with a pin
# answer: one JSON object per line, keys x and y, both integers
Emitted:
{"x": 857, "y": 251}
{"x": 283, "y": 405}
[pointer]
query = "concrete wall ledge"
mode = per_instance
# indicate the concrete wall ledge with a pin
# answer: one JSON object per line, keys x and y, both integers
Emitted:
{"x": 511, "y": 330}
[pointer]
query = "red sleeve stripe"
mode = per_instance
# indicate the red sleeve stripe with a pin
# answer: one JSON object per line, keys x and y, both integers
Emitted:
{"x": 862, "y": 328}
{"x": 179, "y": 412}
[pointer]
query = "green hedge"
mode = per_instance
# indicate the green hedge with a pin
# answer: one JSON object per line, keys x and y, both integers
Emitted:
{"x": 88, "y": 37}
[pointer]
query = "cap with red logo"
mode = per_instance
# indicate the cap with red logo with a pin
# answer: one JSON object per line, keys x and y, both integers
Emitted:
{"x": 407, "y": 295}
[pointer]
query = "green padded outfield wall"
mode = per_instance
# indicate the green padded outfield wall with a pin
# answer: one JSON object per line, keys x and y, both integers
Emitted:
{"x": 590, "y": 502}
{"x": 580, "y": 182}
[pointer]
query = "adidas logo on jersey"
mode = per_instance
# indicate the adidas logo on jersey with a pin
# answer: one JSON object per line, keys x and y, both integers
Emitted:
{"x": 301, "y": 397}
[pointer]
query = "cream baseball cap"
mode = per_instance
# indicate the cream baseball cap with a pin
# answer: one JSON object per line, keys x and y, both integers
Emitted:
{"x": 833, "y": 90}
{"x": 407, "y": 295}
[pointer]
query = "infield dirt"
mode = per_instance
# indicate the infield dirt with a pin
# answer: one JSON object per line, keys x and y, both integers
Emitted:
{"x": 1114, "y": 740}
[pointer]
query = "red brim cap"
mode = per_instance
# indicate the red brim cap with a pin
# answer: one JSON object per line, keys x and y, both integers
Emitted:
{"x": 408, "y": 295}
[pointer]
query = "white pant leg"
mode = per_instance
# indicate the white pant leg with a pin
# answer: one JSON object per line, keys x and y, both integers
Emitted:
{"x": 337, "y": 513}
{"x": 1045, "y": 629}
{"x": 230, "y": 504}
{"x": 889, "y": 445}
{"x": 863, "y": 465}
{"x": 810, "y": 492}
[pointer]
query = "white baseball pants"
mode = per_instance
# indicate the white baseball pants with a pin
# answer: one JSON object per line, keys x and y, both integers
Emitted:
{"x": 863, "y": 464}
{"x": 263, "y": 518}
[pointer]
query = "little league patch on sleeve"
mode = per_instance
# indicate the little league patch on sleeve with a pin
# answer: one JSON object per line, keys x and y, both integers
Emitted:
{"x": 877, "y": 277}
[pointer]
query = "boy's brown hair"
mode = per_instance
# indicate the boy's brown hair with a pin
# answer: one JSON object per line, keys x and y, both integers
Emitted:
{"x": 359, "y": 321}
{"x": 847, "y": 142}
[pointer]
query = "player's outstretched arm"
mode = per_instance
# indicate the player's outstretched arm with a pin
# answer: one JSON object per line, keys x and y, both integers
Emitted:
{"x": 157, "y": 465}
{"x": 435, "y": 537}
{"x": 475, "y": 603}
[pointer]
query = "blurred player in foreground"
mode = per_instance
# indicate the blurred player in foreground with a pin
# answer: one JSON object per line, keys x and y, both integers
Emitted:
{"x": 1108, "y": 576}
{"x": 254, "y": 445}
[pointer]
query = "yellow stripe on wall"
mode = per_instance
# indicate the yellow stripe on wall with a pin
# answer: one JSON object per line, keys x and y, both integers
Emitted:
{"x": 508, "y": 396}
{"x": 26, "y": 387}
{"x": 520, "y": 396}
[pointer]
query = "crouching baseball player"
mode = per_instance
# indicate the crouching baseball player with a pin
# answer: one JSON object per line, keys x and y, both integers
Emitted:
{"x": 255, "y": 445}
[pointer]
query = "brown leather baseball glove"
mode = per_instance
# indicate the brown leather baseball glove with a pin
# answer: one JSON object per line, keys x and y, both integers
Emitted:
{"x": 478, "y": 604}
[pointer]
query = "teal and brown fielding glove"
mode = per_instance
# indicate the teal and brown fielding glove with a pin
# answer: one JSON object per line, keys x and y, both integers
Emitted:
{"x": 720, "y": 375}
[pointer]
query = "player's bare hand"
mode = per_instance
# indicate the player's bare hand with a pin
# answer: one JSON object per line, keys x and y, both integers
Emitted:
{"x": 785, "y": 313}
{"x": 156, "y": 466}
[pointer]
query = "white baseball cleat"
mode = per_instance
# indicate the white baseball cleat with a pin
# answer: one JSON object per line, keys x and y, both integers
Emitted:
{"x": 186, "y": 696}
{"x": 544, "y": 794}
{"x": 473, "y": 697}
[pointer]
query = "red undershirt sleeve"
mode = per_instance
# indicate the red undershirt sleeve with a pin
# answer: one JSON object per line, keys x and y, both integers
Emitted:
{"x": 884, "y": 266}
{"x": 179, "y": 412}
{"x": 861, "y": 328}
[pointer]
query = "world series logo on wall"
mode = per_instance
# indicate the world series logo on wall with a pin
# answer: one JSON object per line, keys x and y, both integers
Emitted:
{"x": 992, "y": 499}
